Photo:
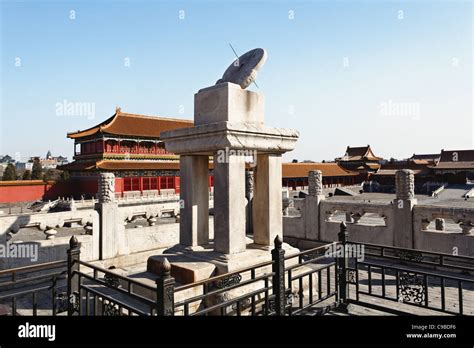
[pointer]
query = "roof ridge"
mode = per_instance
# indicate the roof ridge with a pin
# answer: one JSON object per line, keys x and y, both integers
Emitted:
{"x": 100, "y": 125}
{"x": 164, "y": 118}
{"x": 457, "y": 150}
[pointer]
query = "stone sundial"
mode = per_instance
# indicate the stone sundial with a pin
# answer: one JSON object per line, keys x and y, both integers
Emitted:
{"x": 243, "y": 71}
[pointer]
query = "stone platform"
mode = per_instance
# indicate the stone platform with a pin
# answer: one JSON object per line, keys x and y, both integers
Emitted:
{"x": 191, "y": 264}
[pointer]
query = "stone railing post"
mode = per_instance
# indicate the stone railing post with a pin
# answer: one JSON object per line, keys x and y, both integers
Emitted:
{"x": 342, "y": 265}
{"x": 315, "y": 183}
{"x": 73, "y": 258}
{"x": 165, "y": 291}
{"x": 278, "y": 281}
{"x": 311, "y": 207}
{"x": 403, "y": 235}
{"x": 107, "y": 208}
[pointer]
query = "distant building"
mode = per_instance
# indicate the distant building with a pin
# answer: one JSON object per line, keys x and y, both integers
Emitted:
{"x": 360, "y": 159}
{"x": 24, "y": 166}
{"x": 425, "y": 158}
{"x": 129, "y": 146}
{"x": 455, "y": 166}
{"x": 295, "y": 175}
{"x": 6, "y": 159}
{"x": 452, "y": 167}
{"x": 60, "y": 160}
{"x": 50, "y": 162}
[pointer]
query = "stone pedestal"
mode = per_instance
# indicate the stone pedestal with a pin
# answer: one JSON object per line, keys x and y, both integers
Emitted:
{"x": 228, "y": 124}
{"x": 194, "y": 194}
{"x": 267, "y": 203}
{"x": 229, "y": 205}
{"x": 229, "y": 103}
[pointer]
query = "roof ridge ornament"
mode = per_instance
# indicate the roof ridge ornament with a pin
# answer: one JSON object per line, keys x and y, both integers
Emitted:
{"x": 118, "y": 109}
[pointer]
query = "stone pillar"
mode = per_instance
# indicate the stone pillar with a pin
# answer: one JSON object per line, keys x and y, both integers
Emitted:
{"x": 312, "y": 201}
{"x": 249, "y": 186}
{"x": 106, "y": 191}
{"x": 315, "y": 183}
{"x": 108, "y": 215}
{"x": 405, "y": 184}
{"x": 403, "y": 209}
{"x": 267, "y": 201}
{"x": 194, "y": 195}
{"x": 229, "y": 204}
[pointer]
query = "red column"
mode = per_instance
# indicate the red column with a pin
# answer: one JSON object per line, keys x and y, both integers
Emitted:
{"x": 176, "y": 184}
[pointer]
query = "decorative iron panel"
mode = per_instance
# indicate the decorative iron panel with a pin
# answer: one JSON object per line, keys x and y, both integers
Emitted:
{"x": 412, "y": 288}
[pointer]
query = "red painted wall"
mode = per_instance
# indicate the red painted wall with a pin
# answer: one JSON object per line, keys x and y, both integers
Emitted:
{"x": 33, "y": 190}
{"x": 28, "y": 191}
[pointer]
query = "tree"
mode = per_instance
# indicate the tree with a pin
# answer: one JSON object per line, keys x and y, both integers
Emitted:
{"x": 64, "y": 175}
{"x": 37, "y": 173}
{"x": 50, "y": 174}
{"x": 9, "y": 173}
{"x": 27, "y": 175}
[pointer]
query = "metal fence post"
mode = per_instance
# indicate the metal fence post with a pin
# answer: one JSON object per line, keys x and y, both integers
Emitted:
{"x": 73, "y": 258}
{"x": 165, "y": 290}
{"x": 278, "y": 282}
{"x": 343, "y": 264}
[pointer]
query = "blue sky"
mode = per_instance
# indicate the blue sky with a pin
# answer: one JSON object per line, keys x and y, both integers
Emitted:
{"x": 393, "y": 74}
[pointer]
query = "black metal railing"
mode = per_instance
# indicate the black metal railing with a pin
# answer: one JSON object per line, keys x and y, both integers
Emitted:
{"x": 434, "y": 281}
{"x": 451, "y": 262}
{"x": 312, "y": 282}
{"x": 268, "y": 288}
{"x": 27, "y": 290}
{"x": 93, "y": 290}
{"x": 209, "y": 296}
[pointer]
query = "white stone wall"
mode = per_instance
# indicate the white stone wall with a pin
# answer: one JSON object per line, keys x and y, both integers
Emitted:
{"x": 389, "y": 229}
{"x": 445, "y": 241}
{"x": 360, "y": 230}
{"x": 54, "y": 248}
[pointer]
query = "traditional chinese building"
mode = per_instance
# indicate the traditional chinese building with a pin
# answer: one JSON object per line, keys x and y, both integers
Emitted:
{"x": 429, "y": 158}
{"x": 129, "y": 146}
{"x": 295, "y": 175}
{"x": 360, "y": 159}
{"x": 455, "y": 166}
